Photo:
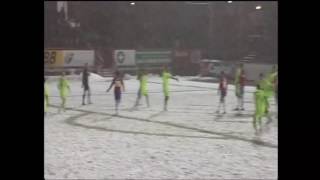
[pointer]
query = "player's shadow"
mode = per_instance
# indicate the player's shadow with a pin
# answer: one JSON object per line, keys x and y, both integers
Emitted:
{"x": 220, "y": 116}
{"x": 72, "y": 121}
{"x": 242, "y": 115}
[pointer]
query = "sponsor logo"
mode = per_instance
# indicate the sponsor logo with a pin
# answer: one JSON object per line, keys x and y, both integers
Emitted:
{"x": 121, "y": 57}
{"x": 69, "y": 57}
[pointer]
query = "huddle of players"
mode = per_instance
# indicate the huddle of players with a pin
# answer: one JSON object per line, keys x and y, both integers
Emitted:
{"x": 266, "y": 88}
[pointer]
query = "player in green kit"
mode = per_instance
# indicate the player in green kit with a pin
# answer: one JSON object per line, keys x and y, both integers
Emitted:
{"x": 165, "y": 83}
{"x": 261, "y": 108}
{"x": 46, "y": 97}
{"x": 272, "y": 88}
{"x": 64, "y": 88}
{"x": 267, "y": 84}
{"x": 143, "y": 89}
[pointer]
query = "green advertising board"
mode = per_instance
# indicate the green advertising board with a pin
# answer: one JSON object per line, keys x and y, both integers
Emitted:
{"x": 153, "y": 57}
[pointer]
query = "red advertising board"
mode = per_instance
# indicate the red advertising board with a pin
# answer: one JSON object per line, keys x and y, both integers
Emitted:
{"x": 185, "y": 61}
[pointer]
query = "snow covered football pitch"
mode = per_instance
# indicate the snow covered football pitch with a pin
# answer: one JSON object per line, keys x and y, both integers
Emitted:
{"x": 189, "y": 141}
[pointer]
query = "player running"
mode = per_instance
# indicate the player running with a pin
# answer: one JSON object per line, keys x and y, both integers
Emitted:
{"x": 165, "y": 82}
{"x": 64, "y": 88}
{"x": 143, "y": 90}
{"x": 239, "y": 85}
{"x": 85, "y": 85}
{"x": 118, "y": 84}
{"x": 223, "y": 85}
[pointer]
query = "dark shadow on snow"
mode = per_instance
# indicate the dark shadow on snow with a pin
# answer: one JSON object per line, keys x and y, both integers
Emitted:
{"x": 226, "y": 136}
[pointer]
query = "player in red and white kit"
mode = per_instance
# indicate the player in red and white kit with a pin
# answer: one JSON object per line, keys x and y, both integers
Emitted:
{"x": 223, "y": 87}
{"x": 118, "y": 84}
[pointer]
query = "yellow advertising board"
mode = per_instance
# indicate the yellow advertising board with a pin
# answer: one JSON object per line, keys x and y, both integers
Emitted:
{"x": 53, "y": 58}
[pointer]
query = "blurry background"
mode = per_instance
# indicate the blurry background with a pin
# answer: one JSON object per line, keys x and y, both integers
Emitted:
{"x": 191, "y": 37}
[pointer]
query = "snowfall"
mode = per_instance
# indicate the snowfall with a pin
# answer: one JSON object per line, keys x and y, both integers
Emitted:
{"x": 189, "y": 141}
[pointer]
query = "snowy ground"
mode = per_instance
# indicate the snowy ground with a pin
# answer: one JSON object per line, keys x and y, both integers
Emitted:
{"x": 190, "y": 141}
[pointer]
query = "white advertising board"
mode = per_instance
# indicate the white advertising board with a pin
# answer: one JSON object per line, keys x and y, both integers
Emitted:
{"x": 76, "y": 58}
{"x": 125, "y": 57}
